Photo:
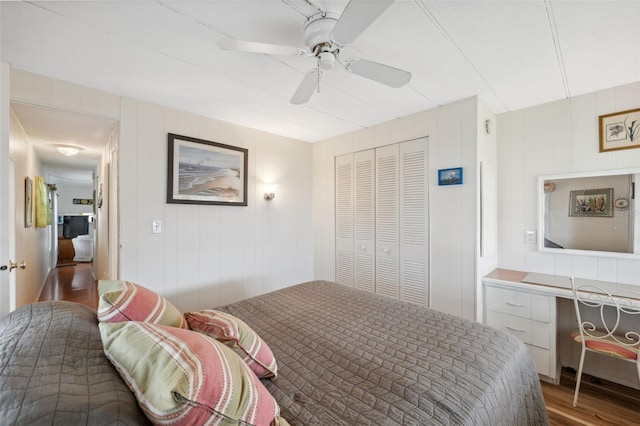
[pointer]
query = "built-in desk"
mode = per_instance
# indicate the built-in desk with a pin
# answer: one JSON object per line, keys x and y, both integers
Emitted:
{"x": 527, "y": 311}
{"x": 524, "y": 305}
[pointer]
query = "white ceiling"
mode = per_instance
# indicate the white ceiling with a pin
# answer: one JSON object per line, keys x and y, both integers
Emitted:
{"x": 513, "y": 54}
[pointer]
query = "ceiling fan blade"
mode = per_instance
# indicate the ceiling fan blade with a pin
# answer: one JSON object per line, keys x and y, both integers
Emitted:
{"x": 381, "y": 73}
{"x": 308, "y": 84}
{"x": 356, "y": 18}
{"x": 255, "y": 47}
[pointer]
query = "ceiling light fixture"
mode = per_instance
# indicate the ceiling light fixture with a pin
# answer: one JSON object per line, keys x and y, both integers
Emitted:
{"x": 68, "y": 150}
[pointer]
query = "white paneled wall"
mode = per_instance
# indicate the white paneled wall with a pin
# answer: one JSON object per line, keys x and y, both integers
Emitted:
{"x": 212, "y": 255}
{"x": 453, "y": 142}
{"x": 560, "y": 137}
{"x": 487, "y": 220}
{"x": 70, "y": 190}
{"x": 206, "y": 255}
{"x": 554, "y": 138}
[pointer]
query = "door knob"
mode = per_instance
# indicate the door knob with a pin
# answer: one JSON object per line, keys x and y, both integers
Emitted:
{"x": 13, "y": 265}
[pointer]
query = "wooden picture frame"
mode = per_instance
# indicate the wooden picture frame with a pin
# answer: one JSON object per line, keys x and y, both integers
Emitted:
{"x": 450, "y": 176}
{"x": 206, "y": 172}
{"x": 591, "y": 203}
{"x": 619, "y": 130}
{"x": 28, "y": 202}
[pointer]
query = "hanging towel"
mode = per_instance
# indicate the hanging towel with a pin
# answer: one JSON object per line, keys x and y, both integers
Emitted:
{"x": 43, "y": 212}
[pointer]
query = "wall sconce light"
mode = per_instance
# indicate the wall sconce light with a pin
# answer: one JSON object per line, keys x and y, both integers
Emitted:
{"x": 270, "y": 191}
{"x": 68, "y": 150}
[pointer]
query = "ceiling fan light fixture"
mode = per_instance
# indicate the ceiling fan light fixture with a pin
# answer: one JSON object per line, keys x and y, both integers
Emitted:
{"x": 326, "y": 60}
{"x": 68, "y": 150}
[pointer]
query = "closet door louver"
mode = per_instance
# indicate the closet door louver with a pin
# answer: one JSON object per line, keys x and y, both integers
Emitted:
{"x": 382, "y": 221}
{"x": 414, "y": 221}
{"x": 344, "y": 219}
{"x": 387, "y": 221}
{"x": 364, "y": 220}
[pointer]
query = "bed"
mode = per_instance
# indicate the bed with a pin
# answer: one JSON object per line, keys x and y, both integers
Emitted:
{"x": 348, "y": 357}
{"x": 345, "y": 357}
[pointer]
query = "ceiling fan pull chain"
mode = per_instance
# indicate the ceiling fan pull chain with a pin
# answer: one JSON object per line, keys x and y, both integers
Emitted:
{"x": 318, "y": 85}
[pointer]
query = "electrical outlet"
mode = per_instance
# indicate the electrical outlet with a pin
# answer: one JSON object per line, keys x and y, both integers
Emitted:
{"x": 156, "y": 226}
{"x": 529, "y": 237}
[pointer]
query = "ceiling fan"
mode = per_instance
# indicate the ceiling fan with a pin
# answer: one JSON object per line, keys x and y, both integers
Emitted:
{"x": 325, "y": 34}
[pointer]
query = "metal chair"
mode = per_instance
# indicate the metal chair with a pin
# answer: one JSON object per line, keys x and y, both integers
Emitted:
{"x": 604, "y": 335}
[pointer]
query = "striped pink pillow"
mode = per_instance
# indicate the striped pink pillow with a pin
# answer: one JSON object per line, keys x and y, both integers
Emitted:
{"x": 127, "y": 301}
{"x": 181, "y": 377}
{"x": 236, "y": 334}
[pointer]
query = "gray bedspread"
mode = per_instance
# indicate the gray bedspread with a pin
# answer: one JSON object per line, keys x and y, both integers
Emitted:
{"x": 53, "y": 370}
{"x": 348, "y": 357}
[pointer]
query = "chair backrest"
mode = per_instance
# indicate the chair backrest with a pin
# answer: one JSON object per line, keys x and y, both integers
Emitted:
{"x": 610, "y": 309}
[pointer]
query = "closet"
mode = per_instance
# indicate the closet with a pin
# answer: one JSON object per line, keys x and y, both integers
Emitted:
{"x": 382, "y": 220}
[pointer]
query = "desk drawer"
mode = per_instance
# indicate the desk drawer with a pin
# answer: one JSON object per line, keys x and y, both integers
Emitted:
{"x": 518, "y": 326}
{"x": 520, "y": 304}
{"x": 543, "y": 359}
{"x": 516, "y": 303}
{"x": 528, "y": 315}
{"x": 529, "y": 331}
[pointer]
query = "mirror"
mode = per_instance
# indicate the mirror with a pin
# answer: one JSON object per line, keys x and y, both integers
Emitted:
{"x": 590, "y": 214}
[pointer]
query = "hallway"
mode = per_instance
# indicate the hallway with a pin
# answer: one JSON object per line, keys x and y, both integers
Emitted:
{"x": 73, "y": 283}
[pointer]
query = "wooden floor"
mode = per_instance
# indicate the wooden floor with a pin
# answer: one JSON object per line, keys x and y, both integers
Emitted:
{"x": 600, "y": 402}
{"x": 74, "y": 283}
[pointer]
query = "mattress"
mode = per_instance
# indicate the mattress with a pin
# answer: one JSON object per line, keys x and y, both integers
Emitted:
{"x": 348, "y": 357}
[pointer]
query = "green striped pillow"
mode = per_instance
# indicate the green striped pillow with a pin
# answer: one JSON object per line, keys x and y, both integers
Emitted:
{"x": 185, "y": 378}
{"x": 236, "y": 334}
{"x": 127, "y": 301}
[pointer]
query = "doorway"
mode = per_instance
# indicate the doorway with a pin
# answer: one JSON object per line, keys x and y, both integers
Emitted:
{"x": 80, "y": 187}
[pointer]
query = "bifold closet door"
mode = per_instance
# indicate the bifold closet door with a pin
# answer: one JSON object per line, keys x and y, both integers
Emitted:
{"x": 387, "y": 221}
{"x": 402, "y": 256}
{"x": 364, "y": 220}
{"x": 344, "y": 219}
{"x": 414, "y": 221}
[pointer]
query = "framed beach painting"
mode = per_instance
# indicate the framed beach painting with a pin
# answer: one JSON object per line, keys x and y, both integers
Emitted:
{"x": 205, "y": 172}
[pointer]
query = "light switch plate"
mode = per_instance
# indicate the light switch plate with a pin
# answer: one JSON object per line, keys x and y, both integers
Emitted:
{"x": 156, "y": 226}
{"x": 529, "y": 237}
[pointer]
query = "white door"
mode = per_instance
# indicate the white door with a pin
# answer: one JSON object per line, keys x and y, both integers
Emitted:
{"x": 7, "y": 199}
{"x": 344, "y": 219}
{"x": 7, "y": 233}
{"x": 387, "y": 221}
{"x": 364, "y": 220}
{"x": 414, "y": 221}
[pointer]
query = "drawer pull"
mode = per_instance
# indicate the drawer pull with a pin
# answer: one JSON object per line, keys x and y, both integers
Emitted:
{"x": 515, "y": 305}
{"x": 515, "y": 329}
